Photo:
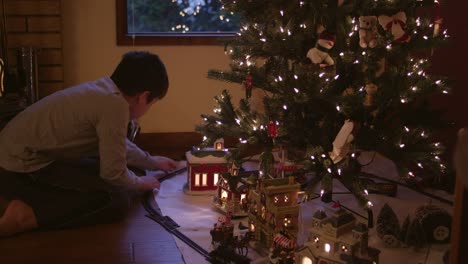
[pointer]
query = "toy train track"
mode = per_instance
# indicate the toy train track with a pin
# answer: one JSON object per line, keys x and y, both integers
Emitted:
{"x": 170, "y": 225}
{"x": 440, "y": 199}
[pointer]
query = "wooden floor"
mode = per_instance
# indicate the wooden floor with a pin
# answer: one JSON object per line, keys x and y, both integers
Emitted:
{"x": 136, "y": 239}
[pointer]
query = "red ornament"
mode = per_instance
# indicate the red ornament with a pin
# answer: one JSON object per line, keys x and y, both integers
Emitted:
{"x": 336, "y": 205}
{"x": 248, "y": 84}
{"x": 272, "y": 129}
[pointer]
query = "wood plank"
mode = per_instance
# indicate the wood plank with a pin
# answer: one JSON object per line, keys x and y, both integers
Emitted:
{"x": 40, "y": 40}
{"x": 16, "y": 24}
{"x": 46, "y": 88}
{"x": 136, "y": 239}
{"x": 44, "y": 24}
{"x": 50, "y": 73}
{"x": 33, "y": 7}
{"x": 50, "y": 57}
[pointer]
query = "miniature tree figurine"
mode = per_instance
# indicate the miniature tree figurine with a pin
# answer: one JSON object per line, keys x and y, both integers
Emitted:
{"x": 388, "y": 226}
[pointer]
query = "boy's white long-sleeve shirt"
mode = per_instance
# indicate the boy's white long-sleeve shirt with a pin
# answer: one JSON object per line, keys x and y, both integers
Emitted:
{"x": 86, "y": 120}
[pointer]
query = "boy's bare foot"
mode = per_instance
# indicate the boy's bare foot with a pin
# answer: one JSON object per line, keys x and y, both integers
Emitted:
{"x": 18, "y": 217}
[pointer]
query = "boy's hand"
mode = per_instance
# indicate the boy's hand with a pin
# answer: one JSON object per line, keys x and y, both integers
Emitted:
{"x": 164, "y": 163}
{"x": 148, "y": 183}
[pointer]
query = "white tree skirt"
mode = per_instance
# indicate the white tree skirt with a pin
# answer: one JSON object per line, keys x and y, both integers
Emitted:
{"x": 196, "y": 217}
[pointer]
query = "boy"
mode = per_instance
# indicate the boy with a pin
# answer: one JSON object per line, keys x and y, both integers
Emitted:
{"x": 63, "y": 160}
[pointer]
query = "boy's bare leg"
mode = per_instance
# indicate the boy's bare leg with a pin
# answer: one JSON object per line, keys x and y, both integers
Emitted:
{"x": 18, "y": 217}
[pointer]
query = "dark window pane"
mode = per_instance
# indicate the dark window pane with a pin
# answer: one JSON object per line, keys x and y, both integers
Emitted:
{"x": 179, "y": 16}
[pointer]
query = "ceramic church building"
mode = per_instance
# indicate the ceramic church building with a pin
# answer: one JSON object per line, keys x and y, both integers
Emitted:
{"x": 338, "y": 239}
{"x": 273, "y": 208}
{"x": 204, "y": 168}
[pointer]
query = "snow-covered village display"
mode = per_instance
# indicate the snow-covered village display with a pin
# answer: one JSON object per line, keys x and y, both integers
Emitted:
{"x": 232, "y": 193}
{"x": 337, "y": 239}
{"x": 205, "y": 167}
{"x": 273, "y": 209}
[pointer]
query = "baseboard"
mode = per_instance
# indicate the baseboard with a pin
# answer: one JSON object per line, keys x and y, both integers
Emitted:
{"x": 175, "y": 144}
{"x": 169, "y": 144}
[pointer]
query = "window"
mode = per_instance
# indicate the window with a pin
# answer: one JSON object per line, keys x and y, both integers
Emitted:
{"x": 205, "y": 179}
{"x": 243, "y": 196}
{"x": 215, "y": 178}
{"x": 327, "y": 247}
{"x": 224, "y": 194}
{"x": 173, "y": 22}
{"x": 197, "y": 179}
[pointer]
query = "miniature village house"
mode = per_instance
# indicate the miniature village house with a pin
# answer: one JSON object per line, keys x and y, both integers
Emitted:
{"x": 337, "y": 239}
{"x": 233, "y": 189}
{"x": 273, "y": 208}
{"x": 205, "y": 167}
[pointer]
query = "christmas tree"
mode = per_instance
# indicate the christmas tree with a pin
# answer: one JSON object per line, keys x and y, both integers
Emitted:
{"x": 335, "y": 78}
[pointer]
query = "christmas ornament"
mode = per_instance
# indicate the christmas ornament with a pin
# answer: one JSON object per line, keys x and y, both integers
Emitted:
{"x": 348, "y": 91}
{"x": 272, "y": 129}
{"x": 437, "y": 24}
{"x": 437, "y": 21}
{"x": 336, "y": 204}
{"x": 319, "y": 53}
{"x": 371, "y": 90}
{"x": 396, "y": 24}
{"x": 248, "y": 84}
{"x": 342, "y": 142}
{"x": 368, "y": 35}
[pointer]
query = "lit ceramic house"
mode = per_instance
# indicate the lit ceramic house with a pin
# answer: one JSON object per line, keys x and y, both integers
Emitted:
{"x": 338, "y": 239}
{"x": 273, "y": 208}
{"x": 232, "y": 192}
{"x": 204, "y": 168}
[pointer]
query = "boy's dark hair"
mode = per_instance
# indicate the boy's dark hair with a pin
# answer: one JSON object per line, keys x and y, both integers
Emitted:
{"x": 140, "y": 71}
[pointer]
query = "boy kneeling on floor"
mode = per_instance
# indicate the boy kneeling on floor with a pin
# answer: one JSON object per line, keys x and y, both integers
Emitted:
{"x": 64, "y": 160}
